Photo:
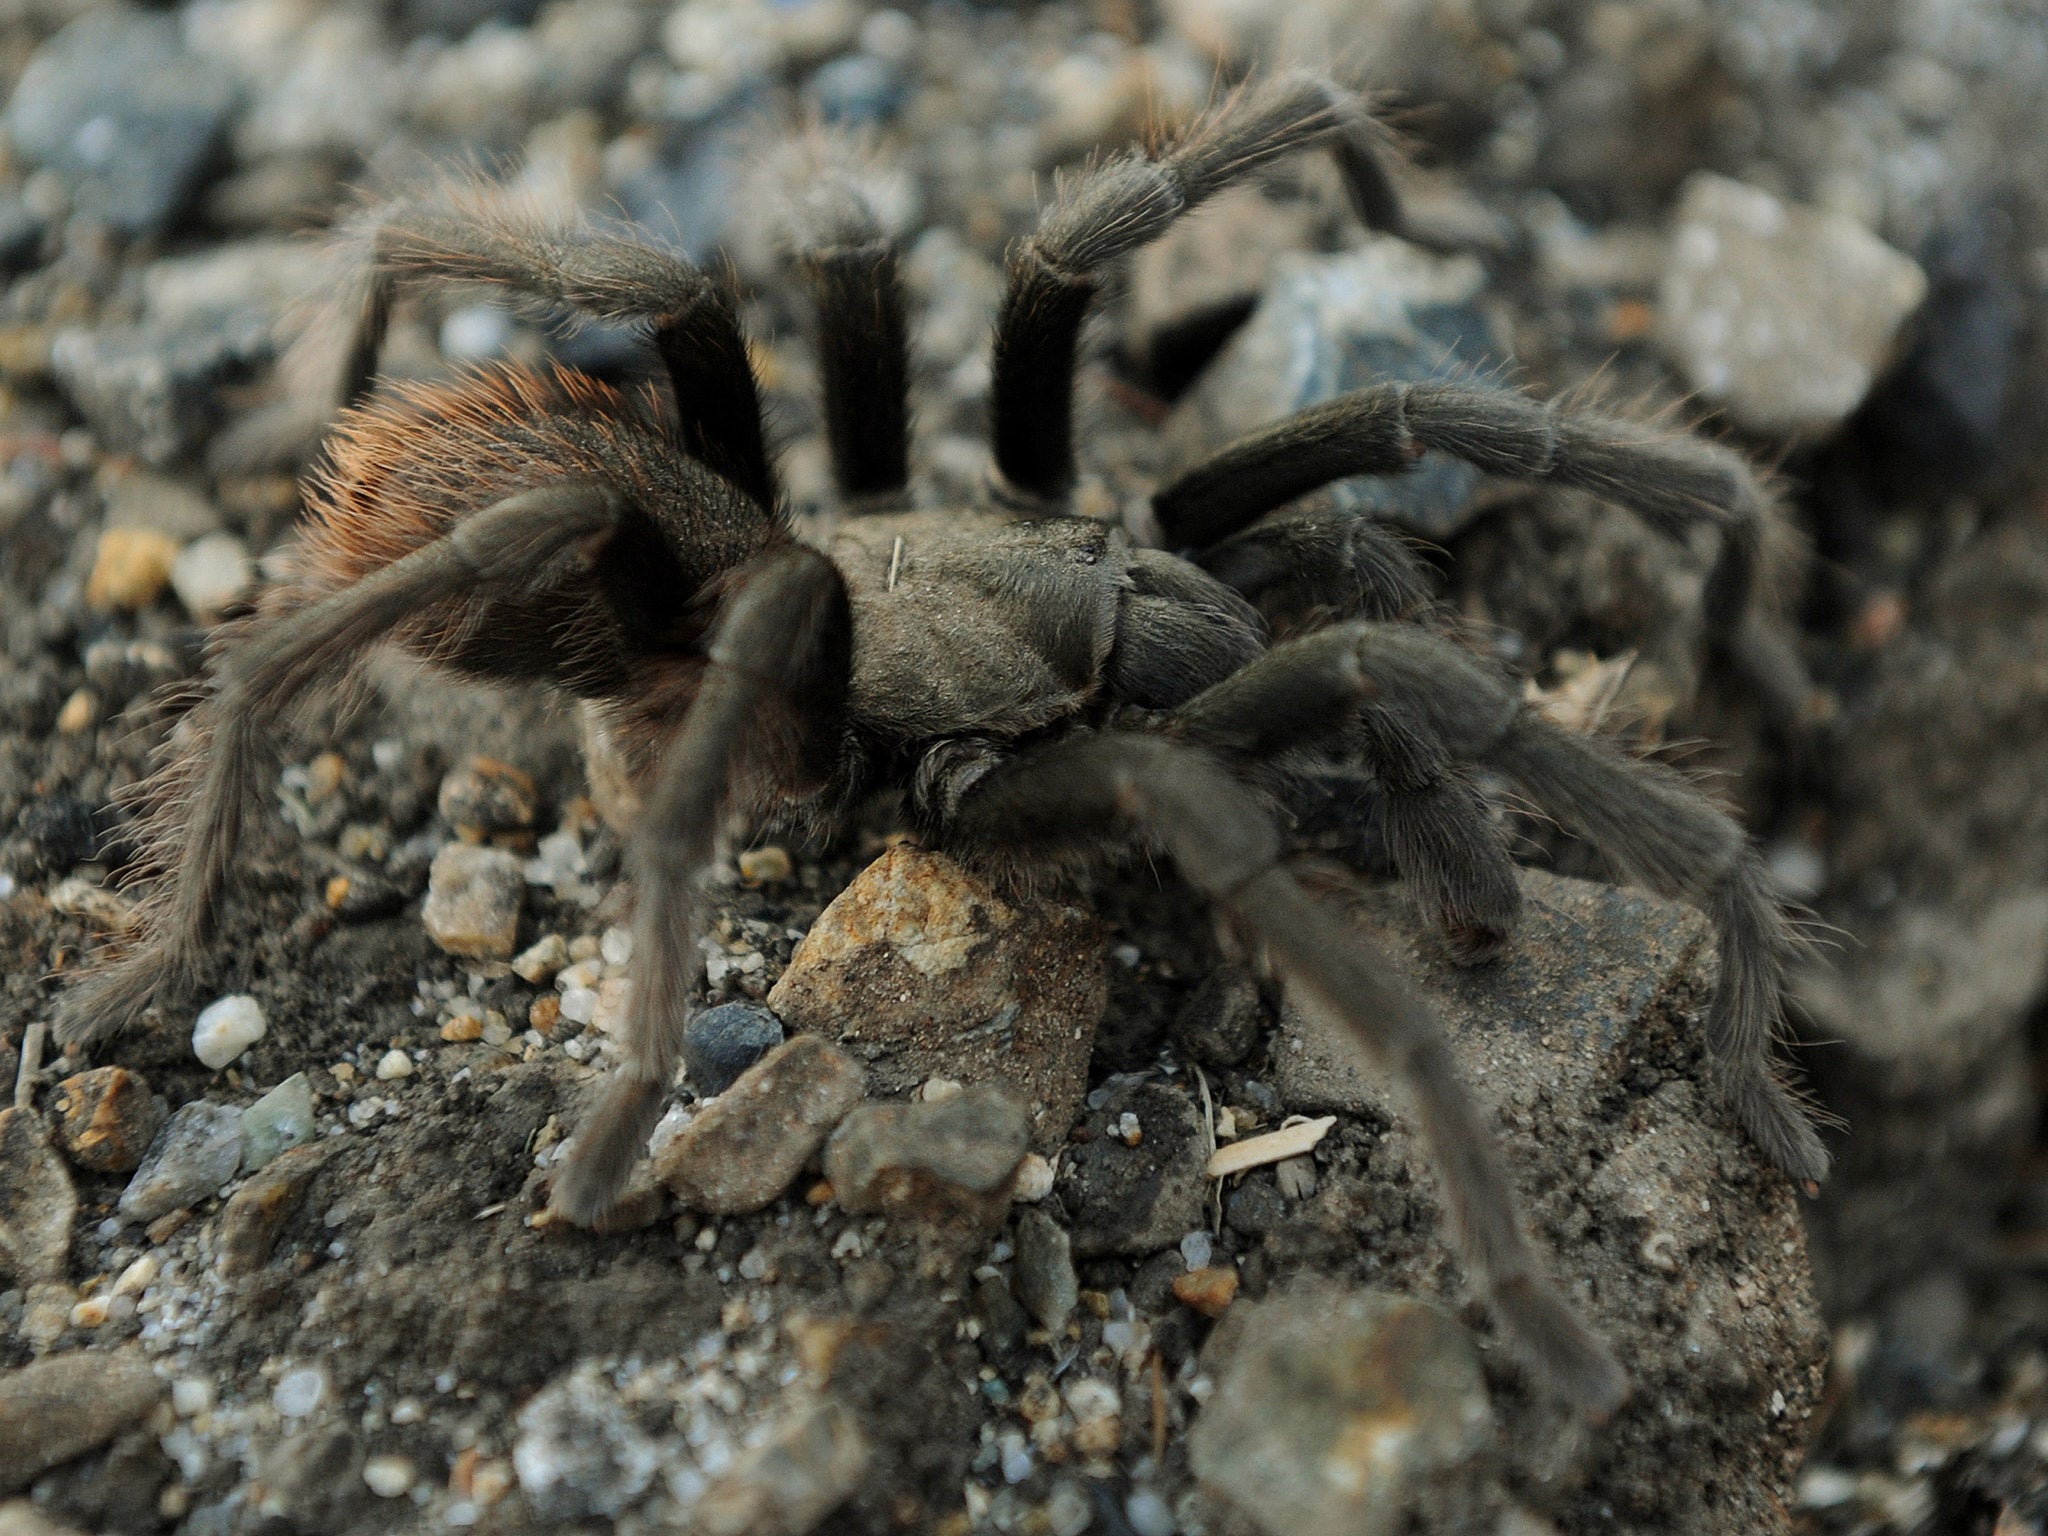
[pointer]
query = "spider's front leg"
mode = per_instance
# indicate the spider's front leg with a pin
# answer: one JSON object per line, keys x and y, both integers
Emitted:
{"x": 1070, "y": 798}
{"x": 202, "y": 790}
{"x": 769, "y": 708}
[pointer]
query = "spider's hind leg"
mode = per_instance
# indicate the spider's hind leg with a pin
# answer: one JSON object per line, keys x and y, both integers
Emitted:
{"x": 203, "y": 789}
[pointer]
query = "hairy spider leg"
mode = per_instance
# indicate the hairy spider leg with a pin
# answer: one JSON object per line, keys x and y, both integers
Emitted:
{"x": 516, "y": 544}
{"x": 1054, "y": 274}
{"x": 1673, "y": 483}
{"x": 1647, "y": 820}
{"x": 770, "y": 704}
{"x": 1226, "y": 845}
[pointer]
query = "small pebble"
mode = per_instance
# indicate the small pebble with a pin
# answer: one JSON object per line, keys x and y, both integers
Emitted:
{"x": 1034, "y": 1180}
{"x": 277, "y": 1122}
{"x": 1196, "y": 1248}
{"x": 1207, "y": 1291}
{"x": 538, "y": 963}
{"x": 80, "y": 713}
{"x": 1148, "y": 1514}
{"x": 388, "y": 1476}
{"x": 298, "y": 1393}
{"x": 473, "y": 899}
{"x": 210, "y": 573}
{"x": 766, "y": 865}
{"x": 616, "y": 947}
{"x": 195, "y": 1153}
{"x": 191, "y": 1396}
{"x": 226, "y": 1028}
{"x": 132, "y": 567}
{"x": 484, "y": 796}
{"x": 394, "y": 1064}
{"x": 462, "y": 1029}
{"x": 138, "y": 1276}
{"x": 106, "y": 1118}
{"x": 720, "y": 1043}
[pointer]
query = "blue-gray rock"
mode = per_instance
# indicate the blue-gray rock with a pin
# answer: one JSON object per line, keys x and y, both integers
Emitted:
{"x": 153, "y": 391}
{"x": 720, "y": 1043}
{"x": 21, "y": 234}
{"x": 195, "y": 1153}
{"x": 856, "y": 90}
{"x": 132, "y": 122}
{"x": 1326, "y": 325}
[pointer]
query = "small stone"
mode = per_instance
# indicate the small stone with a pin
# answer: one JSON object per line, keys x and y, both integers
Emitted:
{"x": 106, "y": 1118}
{"x": 1338, "y": 1408}
{"x": 191, "y": 1396}
{"x": 389, "y": 1476}
{"x": 66, "y": 1405}
{"x": 485, "y": 796}
{"x": 63, "y": 832}
{"x": 746, "y": 1146}
{"x": 473, "y": 899}
{"x": 538, "y": 962}
{"x": 579, "y": 1454}
{"x": 210, "y": 573}
{"x": 1785, "y": 315}
{"x": 923, "y": 970}
{"x": 720, "y": 1043}
{"x": 392, "y": 1065}
{"x": 299, "y": 1393}
{"x": 1034, "y": 1179}
{"x": 1221, "y": 1019}
{"x": 257, "y": 1211}
{"x": 80, "y": 713}
{"x": 1138, "y": 1198}
{"x": 37, "y": 1204}
{"x": 195, "y": 1153}
{"x": 1044, "y": 1277}
{"x": 1208, "y": 1291}
{"x": 102, "y": 906}
{"x": 765, "y": 866}
{"x": 277, "y": 1122}
{"x": 226, "y": 1028}
{"x": 463, "y": 1029}
{"x": 809, "y": 1464}
{"x": 138, "y": 1276}
{"x": 132, "y": 567}
{"x": 945, "y": 1160}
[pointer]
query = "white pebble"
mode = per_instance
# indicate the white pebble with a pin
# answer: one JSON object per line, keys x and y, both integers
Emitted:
{"x": 541, "y": 961}
{"x": 1148, "y": 1514}
{"x": 226, "y": 1028}
{"x": 1196, "y": 1249}
{"x": 191, "y": 1396}
{"x": 394, "y": 1064}
{"x": 579, "y": 1004}
{"x": 298, "y": 1393}
{"x": 1033, "y": 1181}
{"x": 584, "y": 974}
{"x": 211, "y": 572}
{"x": 475, "y": 332}
{"x": 388, "y": 1476}
{"x": 616, "y": 946}
{"x": 136, "y": 1278}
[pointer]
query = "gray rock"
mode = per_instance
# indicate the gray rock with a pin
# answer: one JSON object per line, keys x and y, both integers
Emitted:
{"x": 314, "y": 1479}
{"x": 720, "y": 1043}
{"x": 1329, "y": 324}
{"x": 474, "y": 896}
{"x": 277, "y": 1122}
{"x": 67, "y": 1405}
{"x": 1044, "y": 1276}
{"x": 1220, "y": 1022}
{"x": 154, "y": 391}
{"x": 106, "y": 1118}
{"x": 747, "y": 1145}
{"x": 919, "y": 968}
{"x": 809, "y": 1464}
{"x": 485, "y": 796}
{"x": 197, "y": 1152}
{"x": 37, "y": 1202}
{"x": 1343, "y": 1410}
{"x": 579, "y": 1454}
{"x": 1785, "y": 315}
{"x": 1136, "y": 1199}
{"x": 132, "y": 122}
{"x": 951, "y": 1158}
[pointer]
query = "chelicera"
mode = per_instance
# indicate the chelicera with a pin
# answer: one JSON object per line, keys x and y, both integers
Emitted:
{"x": 1043, "y": 688}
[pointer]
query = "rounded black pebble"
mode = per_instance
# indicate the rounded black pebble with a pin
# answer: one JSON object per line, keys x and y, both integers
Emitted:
{"x": 720, "y": 1043}
{"x": 62, "y": 831}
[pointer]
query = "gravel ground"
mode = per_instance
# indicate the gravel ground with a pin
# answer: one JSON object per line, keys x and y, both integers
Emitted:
{"x": 950, "y": 1258}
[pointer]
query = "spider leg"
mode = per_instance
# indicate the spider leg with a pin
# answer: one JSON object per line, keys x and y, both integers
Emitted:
{"x": 205, "y": 786}
{"x": 1673, "y": 483}
{"x": 1439, "y": 828}
{"x": 839, "y": 243}
{"x": 780, "y": 655}
{"x": 1082, "y": 791}
{"x": 1054, "y": 274}
{"x": 1304, "y": 568}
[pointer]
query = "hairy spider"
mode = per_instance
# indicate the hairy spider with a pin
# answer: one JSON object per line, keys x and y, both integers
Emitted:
{"x": 1044, "y": 691}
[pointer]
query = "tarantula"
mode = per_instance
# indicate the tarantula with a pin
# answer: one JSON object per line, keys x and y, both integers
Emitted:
{"x": 1043, "y": 689}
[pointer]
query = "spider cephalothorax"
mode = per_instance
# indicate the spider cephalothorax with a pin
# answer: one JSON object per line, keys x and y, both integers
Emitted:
{"x": 1043, "y": 690}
